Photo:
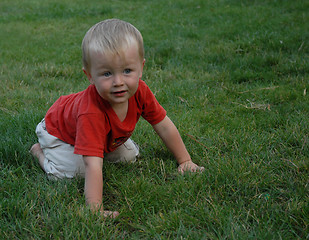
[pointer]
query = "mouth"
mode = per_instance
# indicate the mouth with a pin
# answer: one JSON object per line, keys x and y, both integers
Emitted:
{"x": 119, "y": 93}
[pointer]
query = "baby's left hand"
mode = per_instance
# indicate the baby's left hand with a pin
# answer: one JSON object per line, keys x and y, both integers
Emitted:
{"x": 189, "y": 166}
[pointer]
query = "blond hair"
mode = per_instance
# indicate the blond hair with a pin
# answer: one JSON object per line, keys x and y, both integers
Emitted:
{"x": 110, "y": 36}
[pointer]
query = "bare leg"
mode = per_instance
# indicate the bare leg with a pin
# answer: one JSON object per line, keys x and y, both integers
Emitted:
{"x": 37, "y": 152}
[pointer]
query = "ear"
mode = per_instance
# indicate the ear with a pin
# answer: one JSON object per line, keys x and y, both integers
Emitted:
{"x": 143, "y": 64}
{"x": 88, "y": 75}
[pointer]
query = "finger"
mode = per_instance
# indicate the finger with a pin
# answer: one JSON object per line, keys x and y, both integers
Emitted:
{"x": 197, "y": 169}
{"x": 180, "y": 170}
{"x": 111, "y": 214}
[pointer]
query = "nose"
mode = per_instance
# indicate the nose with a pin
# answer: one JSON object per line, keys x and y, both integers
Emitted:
{"x": 118, "y": 81}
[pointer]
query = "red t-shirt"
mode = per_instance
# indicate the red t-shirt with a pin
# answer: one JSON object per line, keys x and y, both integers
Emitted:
{"x": 88, "y": 122}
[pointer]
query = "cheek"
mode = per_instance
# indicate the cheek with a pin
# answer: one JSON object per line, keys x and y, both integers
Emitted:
{"x": 135, "y": 86}
{"x": 102, "y": 87}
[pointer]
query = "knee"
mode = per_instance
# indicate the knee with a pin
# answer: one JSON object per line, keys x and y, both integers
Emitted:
{"x": 126, "y": 153}
{"x": 132, "y": 151}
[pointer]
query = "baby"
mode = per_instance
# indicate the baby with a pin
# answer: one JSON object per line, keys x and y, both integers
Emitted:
{"x": 82, "y": 129}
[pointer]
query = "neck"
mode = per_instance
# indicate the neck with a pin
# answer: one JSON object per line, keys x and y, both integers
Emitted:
{"x": 121, "y": 110}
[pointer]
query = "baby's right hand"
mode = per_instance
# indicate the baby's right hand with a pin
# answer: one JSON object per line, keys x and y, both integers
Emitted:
{"x": 110, "y": 214}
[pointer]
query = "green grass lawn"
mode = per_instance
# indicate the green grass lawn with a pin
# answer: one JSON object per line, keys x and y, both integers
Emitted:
{"x": 232, "y": 75}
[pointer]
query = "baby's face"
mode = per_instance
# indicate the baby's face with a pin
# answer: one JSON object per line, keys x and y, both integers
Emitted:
{"x": 116, "y": 76}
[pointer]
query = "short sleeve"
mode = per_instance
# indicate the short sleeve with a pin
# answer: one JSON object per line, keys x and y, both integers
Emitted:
{"x": 152, "y": 111}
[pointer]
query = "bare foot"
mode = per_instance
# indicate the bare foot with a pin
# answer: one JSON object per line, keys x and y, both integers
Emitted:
{"x": 37, "y": 152}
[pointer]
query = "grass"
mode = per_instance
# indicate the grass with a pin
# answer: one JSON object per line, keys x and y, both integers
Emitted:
{"x": 233, "y": 76}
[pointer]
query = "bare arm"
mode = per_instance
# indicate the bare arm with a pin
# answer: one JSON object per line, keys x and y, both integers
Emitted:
{"x": 172, "y": 139}
{"x": 93, "y": 181}
{"x": 94, "y": 185}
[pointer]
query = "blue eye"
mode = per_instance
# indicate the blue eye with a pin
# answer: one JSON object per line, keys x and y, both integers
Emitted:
{"x": 127, "y": 71}
{"x": 107, "y": 74}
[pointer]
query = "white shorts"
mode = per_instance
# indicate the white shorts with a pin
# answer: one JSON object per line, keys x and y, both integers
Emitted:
{"x": 61, "y": 162}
